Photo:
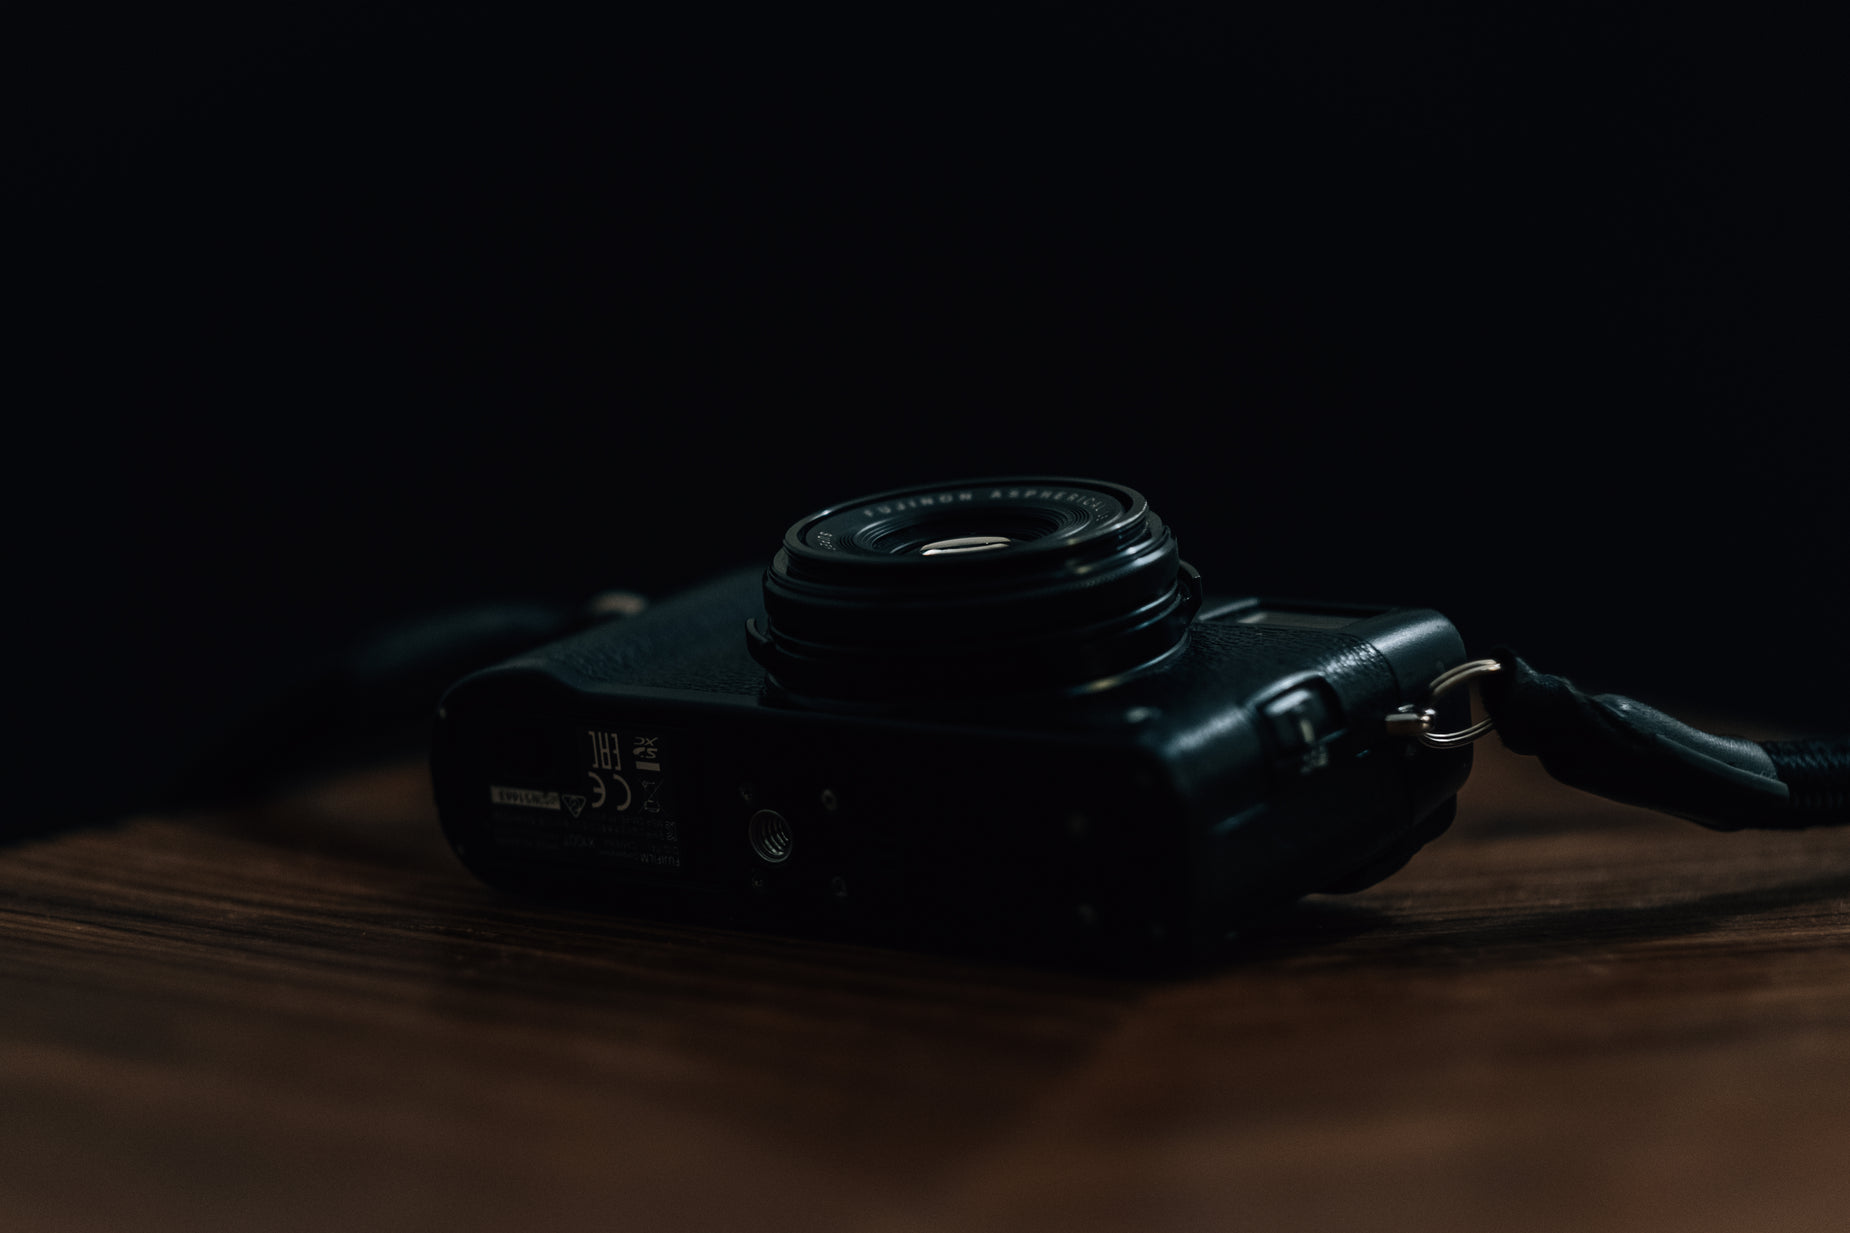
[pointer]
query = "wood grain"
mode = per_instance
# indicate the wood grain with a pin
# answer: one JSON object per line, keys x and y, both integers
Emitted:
{"x": 1566, "y": 1014}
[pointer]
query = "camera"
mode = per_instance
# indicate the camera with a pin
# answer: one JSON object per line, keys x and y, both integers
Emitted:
{"x": 998, "y": 717}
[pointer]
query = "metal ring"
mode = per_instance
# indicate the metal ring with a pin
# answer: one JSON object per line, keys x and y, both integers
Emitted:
{"x": 1451, "y": 680}
{"x": 1418, "y": 724}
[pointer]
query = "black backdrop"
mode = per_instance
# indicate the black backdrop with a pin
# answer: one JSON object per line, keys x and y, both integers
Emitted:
{"x": 338, "y": 317}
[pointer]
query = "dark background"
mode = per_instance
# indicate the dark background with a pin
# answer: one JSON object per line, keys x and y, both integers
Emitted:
{"x": 339, "y": 316}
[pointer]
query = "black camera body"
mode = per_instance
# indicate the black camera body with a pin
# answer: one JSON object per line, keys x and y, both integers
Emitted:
{"x": 996, "y": 717}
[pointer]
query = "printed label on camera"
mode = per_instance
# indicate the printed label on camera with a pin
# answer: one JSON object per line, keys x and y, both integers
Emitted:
{"x": 526, "y": 798}
{"x": 618, "y": 807}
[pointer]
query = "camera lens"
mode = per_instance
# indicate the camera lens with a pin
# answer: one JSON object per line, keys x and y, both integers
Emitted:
{"x": 985, "y": 587}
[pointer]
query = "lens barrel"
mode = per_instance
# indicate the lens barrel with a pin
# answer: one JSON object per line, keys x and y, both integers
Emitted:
{"x": 979, "y": 588}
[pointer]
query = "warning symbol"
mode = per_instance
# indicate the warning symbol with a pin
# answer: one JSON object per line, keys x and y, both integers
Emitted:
{"x": 574, "y": 805}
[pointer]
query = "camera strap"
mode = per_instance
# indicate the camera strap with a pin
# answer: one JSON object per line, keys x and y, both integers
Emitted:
{"x": 1621, "y": 749}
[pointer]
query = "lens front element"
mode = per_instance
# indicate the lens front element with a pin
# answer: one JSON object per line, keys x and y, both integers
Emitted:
{"x": 965, "y": 543}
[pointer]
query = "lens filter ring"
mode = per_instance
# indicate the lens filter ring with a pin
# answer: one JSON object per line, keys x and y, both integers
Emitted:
{"x": 982, "y": 587}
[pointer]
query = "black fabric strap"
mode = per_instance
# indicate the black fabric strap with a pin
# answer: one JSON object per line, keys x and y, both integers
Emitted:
{"x": 1818, "y": 773}
{"x": 1622, "y": 749}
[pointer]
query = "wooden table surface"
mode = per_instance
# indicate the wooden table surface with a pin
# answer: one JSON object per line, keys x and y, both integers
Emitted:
{"x": 1564, "y": 1015}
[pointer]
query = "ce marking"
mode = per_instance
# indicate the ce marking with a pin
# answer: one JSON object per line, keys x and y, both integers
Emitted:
{"x": 601, "y": 793}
